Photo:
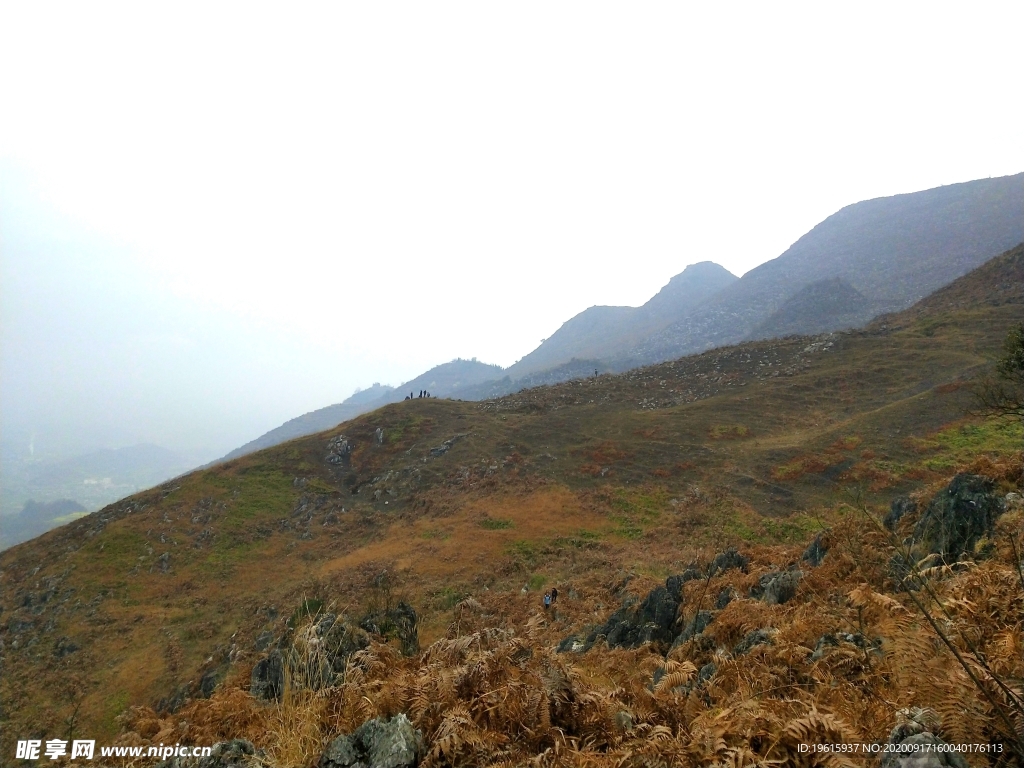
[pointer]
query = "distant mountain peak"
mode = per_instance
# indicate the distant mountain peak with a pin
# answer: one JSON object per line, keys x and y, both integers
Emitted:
{"x": 893, "y": 250}
{"x": 603, "y": 333}
{"x": 701, "y": 269}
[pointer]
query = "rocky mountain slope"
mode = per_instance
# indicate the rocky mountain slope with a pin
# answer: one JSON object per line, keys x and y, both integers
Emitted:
{"x": 892, "y": 250}
{"x": 605, "y": 332}
{"x": 435, "y": 524}
{"x": 826, "y": 305}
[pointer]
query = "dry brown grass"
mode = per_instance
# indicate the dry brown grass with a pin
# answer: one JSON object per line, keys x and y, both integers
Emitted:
{"x": 492, "y": 691}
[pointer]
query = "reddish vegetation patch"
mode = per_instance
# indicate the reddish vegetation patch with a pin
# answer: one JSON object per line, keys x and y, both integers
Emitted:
{"x": 846, "y": 443}
{"x": 606, "y": 453}
{"x": 802, "y": 465}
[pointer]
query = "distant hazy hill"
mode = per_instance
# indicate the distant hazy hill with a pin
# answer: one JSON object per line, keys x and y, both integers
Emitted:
{"x": 826, "y": 305}
{"x": 574, "y": 369}
{"x": 36, "y": 518}
{"x": 91, "y": 480}
{"x": 140, "y": 466}
{"x": 447, "y": 380}
{"x": 609, "y": 332}
{"x": 369, "y": 395}
{"x": 323, "y": 418}
{"x": 892, "y": 250}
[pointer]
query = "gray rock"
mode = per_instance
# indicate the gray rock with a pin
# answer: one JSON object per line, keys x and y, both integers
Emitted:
{"x": 652, "y": 621}
{"x": 339, "y": 450}
{"x": 446, "y": 446}
{"x": 64, "y": 646}
{"x": 400, "y": 621}
{"x": 706, "y": 673}
{"x": 623, "y": 721}
{"x": 821, "y": 647}
{"x": 958, "y": 517}
{"x": 229, "y": 754}
{"x": 834, "y": 640}
{"x": 621, "y": 629}
{"x": 659, "y": 608}
{"x": 723, "y": 599}
{"x": 674, "y": 584}
{"x": 325, "y": 623}
{"x": 175, "y": 701}
{"x": 816, "y": 551}
{"x": 900, "y": 507}
{"x": 777, "y": 587}
{"x": 211, "y": 679}
{"x": 340, "y": 641}
{"x": 751, "y": 640}
{"x": 572, "y": 644}
{"x": 341, "y": 752}
{"x": 376, "y": 743}
{"x": 728, "y": 560}
{"x": 696, "y": 625}
{"x": 267, "y": 679}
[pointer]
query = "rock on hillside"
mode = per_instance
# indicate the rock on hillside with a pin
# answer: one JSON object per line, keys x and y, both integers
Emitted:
{"x": 393, "y": 743}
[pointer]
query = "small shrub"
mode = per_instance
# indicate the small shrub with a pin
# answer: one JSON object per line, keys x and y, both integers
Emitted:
{"x": 536, "y": 581}
{"x": 493, "y": 524}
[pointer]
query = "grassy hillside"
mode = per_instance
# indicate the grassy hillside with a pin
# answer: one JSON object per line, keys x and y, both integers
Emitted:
{"x": 445, "y": 380}
{"x": 602, "y": 487}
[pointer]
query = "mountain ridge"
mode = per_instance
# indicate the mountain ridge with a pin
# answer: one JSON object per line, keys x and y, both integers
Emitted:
{"x": 598, "y": 330}
{"x": 965, "y": 223}
{"x": 909, "y": 245}
{"x": 443, "y": 380}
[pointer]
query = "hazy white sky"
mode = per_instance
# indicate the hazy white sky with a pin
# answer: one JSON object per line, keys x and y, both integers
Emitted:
{"x": 214, "y": 217}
